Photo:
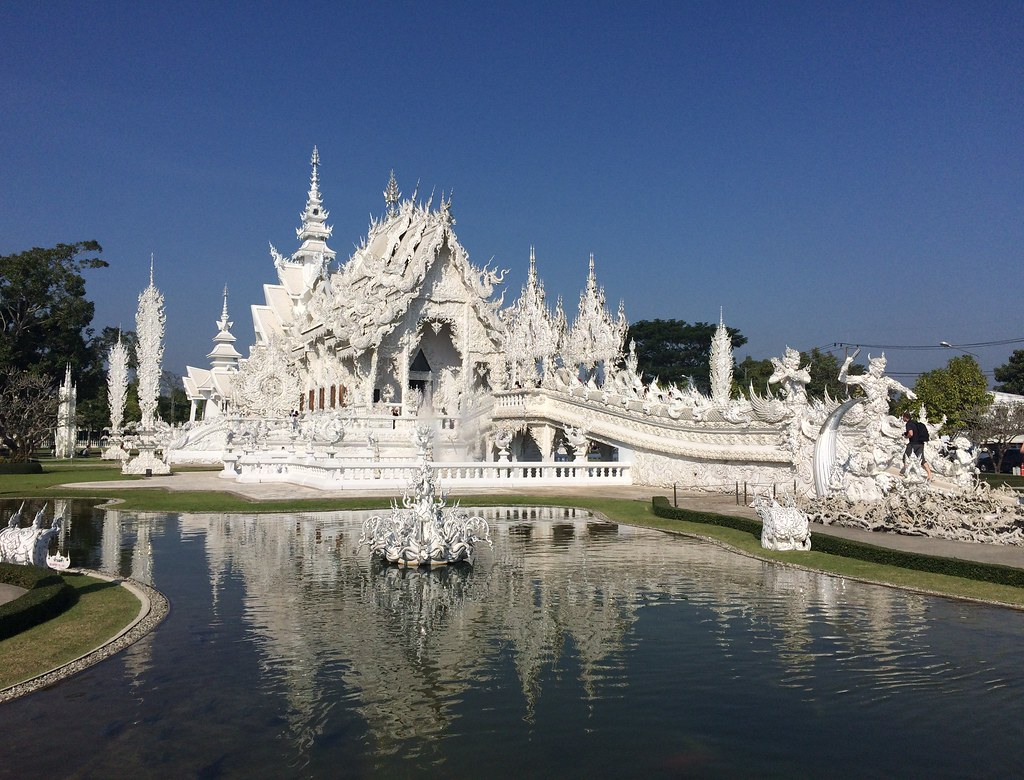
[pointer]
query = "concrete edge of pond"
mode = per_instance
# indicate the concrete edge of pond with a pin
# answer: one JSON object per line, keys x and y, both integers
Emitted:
{"x": 153, "y": 608}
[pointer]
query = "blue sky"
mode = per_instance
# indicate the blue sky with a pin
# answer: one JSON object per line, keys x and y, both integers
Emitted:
{"x": 825, "y": 172}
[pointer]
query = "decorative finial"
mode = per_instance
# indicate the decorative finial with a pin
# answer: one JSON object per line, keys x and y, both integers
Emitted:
{"x": 314, "y": 177}
{"x": 392, "y": 195}
{"x": 446, "y": 207}
{"x": 224, "y": 312}
{"x": 151, "y": 261}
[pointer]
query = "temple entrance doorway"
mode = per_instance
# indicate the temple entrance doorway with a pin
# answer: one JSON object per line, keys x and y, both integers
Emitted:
{"x": 436, "y": 368}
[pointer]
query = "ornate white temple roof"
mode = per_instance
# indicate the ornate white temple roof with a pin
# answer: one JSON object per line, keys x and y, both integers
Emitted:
{"x": 365, "y": 323}
{"x": 411, "y": 254}
{"x": 595, "y": 337}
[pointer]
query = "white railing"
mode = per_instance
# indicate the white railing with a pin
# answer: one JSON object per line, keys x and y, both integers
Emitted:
{"x": 331, "y": 474}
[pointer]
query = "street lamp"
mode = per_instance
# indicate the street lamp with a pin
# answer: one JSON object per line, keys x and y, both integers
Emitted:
{"x": 947, "y": 345}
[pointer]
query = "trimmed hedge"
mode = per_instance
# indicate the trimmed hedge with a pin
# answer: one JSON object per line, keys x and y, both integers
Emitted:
{"x": 21, "y": 467}
{"x": 847, "y": 548}
{"x": 48, "y": 595}
{"x": 662, "y": 508}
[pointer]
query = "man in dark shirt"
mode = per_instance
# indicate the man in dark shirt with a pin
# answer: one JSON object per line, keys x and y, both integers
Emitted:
{"x": 915, "y": 444}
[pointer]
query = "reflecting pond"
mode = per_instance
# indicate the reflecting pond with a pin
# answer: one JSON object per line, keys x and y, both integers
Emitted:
{"x": 574, "y": 648}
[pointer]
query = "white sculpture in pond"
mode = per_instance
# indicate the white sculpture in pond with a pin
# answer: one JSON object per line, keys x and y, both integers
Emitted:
{"x": 783, "y": 527}
{"x": 424, "y": 531}
{"x": 27, "y": 546}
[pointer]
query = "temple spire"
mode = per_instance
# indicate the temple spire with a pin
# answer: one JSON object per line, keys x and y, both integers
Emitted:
{"x": 314, "y": 217}
{"x": 392, "y": 195}
{"x": 314, "y": 232}
{"x": 592, "y": 275}
{"x": 224, "y": 354}
{"x": 224, "y": 324}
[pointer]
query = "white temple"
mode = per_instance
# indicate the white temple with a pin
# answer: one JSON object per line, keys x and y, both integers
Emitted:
{"x": 350, "y": 358}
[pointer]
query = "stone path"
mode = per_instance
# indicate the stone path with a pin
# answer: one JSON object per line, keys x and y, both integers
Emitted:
{"x": 9, "y": 592}
{"x": 723, "y": 504}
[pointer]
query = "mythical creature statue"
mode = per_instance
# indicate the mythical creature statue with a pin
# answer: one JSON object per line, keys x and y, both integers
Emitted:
{"x": 873, "y": 436}
{"x": 579, "y": 441}
{"x": 503, "y": 440}
{"x": 27, "y": 546}
{"x": 792, "y": 379}
{"x": 784, "y": 527}
{"x": 876, "y": 386}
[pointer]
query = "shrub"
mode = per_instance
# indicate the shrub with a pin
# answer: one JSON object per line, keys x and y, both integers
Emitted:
{"x": 48, "y": 595}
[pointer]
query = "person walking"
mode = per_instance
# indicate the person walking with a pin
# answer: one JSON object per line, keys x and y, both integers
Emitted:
{"x": 916, "y": 434}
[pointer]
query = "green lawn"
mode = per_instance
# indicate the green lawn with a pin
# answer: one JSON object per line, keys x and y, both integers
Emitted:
{"x": 995, "y": 480}
{"x": 102, "y": 610}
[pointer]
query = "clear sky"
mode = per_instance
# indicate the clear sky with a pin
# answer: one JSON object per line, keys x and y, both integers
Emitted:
{"x": 825, "y": 172}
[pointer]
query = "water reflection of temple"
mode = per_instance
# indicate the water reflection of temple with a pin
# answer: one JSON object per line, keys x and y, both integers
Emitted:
{"x": 404, "y": 642}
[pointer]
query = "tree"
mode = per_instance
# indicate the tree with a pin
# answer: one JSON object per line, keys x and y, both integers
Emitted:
{"x": 824, "y": 370}
{"x": 28, "y": 411}
{"x": 44, "y": 314}
{"x": 958, "y": 391}
{"x": 753, "y": 373}
{"x": 173, "y": 403}
{"x": 995, "y": 426}
{"x": 673, "y": 350}
{"x": 1011, "y": 374}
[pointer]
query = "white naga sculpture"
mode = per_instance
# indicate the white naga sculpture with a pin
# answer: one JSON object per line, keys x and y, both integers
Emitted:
{"x": 28, "y": 546}
{"x": 424, "y": 531}
{"x": 784, "y": 527}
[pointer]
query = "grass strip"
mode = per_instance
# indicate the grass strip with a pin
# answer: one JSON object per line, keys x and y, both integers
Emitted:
{"x": 102, "y": 610}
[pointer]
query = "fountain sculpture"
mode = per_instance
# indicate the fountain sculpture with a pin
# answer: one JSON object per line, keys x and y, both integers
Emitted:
{"x": 424, "y": 531}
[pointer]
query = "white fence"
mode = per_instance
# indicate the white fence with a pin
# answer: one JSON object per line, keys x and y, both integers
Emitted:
{"x": 363, "y": 475}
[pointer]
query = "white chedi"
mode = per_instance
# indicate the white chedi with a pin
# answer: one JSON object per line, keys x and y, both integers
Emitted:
{"x": 424, "y": 531}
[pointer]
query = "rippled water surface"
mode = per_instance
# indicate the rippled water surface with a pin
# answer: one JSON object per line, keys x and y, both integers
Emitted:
{"x": 574, "y": 648}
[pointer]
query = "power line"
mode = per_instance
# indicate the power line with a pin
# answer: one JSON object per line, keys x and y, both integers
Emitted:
{"x": 894, "y": 347}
